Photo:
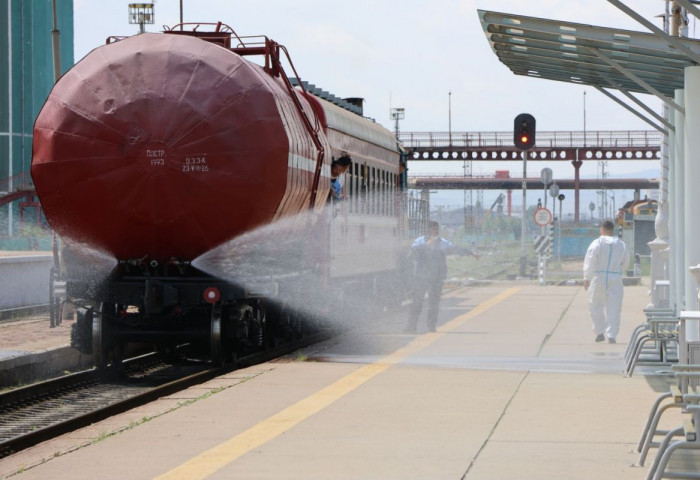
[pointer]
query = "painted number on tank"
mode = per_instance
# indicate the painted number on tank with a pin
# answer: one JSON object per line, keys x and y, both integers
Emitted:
{"x": 195, "y": 164}
{"x": 157, "y": 157}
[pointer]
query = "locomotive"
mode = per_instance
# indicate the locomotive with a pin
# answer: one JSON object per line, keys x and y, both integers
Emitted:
{"x": 159, "y": 149}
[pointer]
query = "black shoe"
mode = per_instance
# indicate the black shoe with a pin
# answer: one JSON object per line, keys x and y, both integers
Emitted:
{"x": 600, "y": 338}
{"x": 611, "y": 340}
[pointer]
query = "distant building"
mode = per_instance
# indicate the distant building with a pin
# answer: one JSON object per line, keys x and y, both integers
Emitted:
{"x": 26, "y": 78}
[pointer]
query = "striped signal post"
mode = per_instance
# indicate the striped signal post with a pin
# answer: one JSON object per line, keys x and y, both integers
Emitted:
{"x": 552, "y": 229}
{"x": 543, "y": 243}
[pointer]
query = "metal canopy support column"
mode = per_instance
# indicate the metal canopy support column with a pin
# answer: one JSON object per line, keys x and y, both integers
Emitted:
{"x": 691, "y": 175}
{"x": 631, "y": 110}
{"x": 674, "y": 41}
{"x": 634, "y": 78}
{"x": 659, "y": 246}
{"x": 671, "y": 213}
{"x": 677, "y": 207}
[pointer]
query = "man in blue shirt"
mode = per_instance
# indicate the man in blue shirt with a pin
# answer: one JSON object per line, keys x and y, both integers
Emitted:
{"x": 429, "y": 253}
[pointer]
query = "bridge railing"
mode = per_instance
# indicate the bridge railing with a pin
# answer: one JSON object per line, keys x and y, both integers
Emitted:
{"x": 563, "y": 139}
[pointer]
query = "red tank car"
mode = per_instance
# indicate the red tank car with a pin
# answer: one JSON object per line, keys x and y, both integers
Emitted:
{"x": 159, "y": 148}
{"x": 164, "y": 145}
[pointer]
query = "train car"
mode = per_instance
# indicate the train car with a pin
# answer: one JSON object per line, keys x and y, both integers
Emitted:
{"x": 160, "y": 149}
{"x": 633, "y": 208}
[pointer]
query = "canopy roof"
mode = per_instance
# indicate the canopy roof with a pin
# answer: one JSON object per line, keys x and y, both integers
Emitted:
{"x": 589, "y": 55}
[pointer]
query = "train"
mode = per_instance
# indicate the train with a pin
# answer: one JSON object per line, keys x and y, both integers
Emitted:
{"x": 634, "y": 208}
{"x": 158, "y": 150}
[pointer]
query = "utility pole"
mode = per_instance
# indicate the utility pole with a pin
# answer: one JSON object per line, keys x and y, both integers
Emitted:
{"x": 396, "y": 115}
{"x": 584, "y": 119}
{"x": 449, "y": 115}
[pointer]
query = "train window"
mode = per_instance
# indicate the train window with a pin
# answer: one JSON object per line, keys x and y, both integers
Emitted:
{"x": 380, "y": 192}
{"x": 352, "y": 183}
{"x": 389, "y": 193}
{"x": 374, "y": 191}
{"x": 392, "y": 194}
{"x": 384, "y": 192}
{"x": 347, "y": 185}
{"x": 390, "y": 180}
{"x": 370, "y": 191}
{"x": 380, "y": 187}
{"x": 363, "y": 189}
{"x": 348, "y": 182}
{"x": 383, "y": 206}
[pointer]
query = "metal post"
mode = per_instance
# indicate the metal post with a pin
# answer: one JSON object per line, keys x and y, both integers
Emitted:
{"x": 672, "y": 218}
{"x": 678, "y": 207}
{"x": 584, "y": 120}
{"x": 577, "y": 181}
{"x": 10, "y": 126}
{"x": 56, "y": 43}
{"x": 559, "y": 242}
{"x": 522, "y": 222}
{"x": 659, "y": 246}
{"x": 449, "y": 115}
{"x": 691, "y": 174}
{"x": 544, "y": 194}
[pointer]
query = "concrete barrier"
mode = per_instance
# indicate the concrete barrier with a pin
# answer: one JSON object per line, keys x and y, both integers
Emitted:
{"x": 25, "y": 368}
{"x": 24, "y": 280}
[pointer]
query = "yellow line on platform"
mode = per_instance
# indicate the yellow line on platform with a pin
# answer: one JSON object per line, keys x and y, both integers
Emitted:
{"x": 218, "y": 457}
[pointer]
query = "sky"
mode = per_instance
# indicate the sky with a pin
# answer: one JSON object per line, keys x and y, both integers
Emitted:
{"x": 412, "y": 54}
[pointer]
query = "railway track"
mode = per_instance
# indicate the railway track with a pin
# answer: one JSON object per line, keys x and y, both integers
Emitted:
{"x": 40, "y": 412}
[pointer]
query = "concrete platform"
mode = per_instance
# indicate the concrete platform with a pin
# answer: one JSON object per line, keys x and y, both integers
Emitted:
{"x": 30, "y": 350}
{"x": 511, "y": 386}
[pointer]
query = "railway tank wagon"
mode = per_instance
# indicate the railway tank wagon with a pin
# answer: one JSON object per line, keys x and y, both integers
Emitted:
{"x": 157, "y": 148}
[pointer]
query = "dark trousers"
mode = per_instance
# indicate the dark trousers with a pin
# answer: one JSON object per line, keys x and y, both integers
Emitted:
{"x": 434, "y": 289}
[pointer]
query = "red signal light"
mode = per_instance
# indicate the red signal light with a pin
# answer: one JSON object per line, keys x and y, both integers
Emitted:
{"x": 524, "y": 131}
{"x": 211, "y": 295}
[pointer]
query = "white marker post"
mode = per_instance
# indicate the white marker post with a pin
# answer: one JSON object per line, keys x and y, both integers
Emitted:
{"x": 543, "y": 217}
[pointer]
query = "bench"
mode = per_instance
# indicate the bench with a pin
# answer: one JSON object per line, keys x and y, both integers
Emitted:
{"x": 689, "y": 441}
{"x": 664, "y": 333}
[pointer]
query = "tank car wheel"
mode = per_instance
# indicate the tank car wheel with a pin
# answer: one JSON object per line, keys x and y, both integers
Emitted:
{"x": 259, "y": 327}
{"x": 220, "y": 350}
{"x": 102, "y": 341}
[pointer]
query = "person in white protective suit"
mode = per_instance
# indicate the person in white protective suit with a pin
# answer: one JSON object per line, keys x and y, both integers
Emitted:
{"x": 606, "y": 259}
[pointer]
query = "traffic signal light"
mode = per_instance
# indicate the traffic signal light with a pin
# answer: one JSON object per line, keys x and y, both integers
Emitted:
{"x": 524, "y": 131}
